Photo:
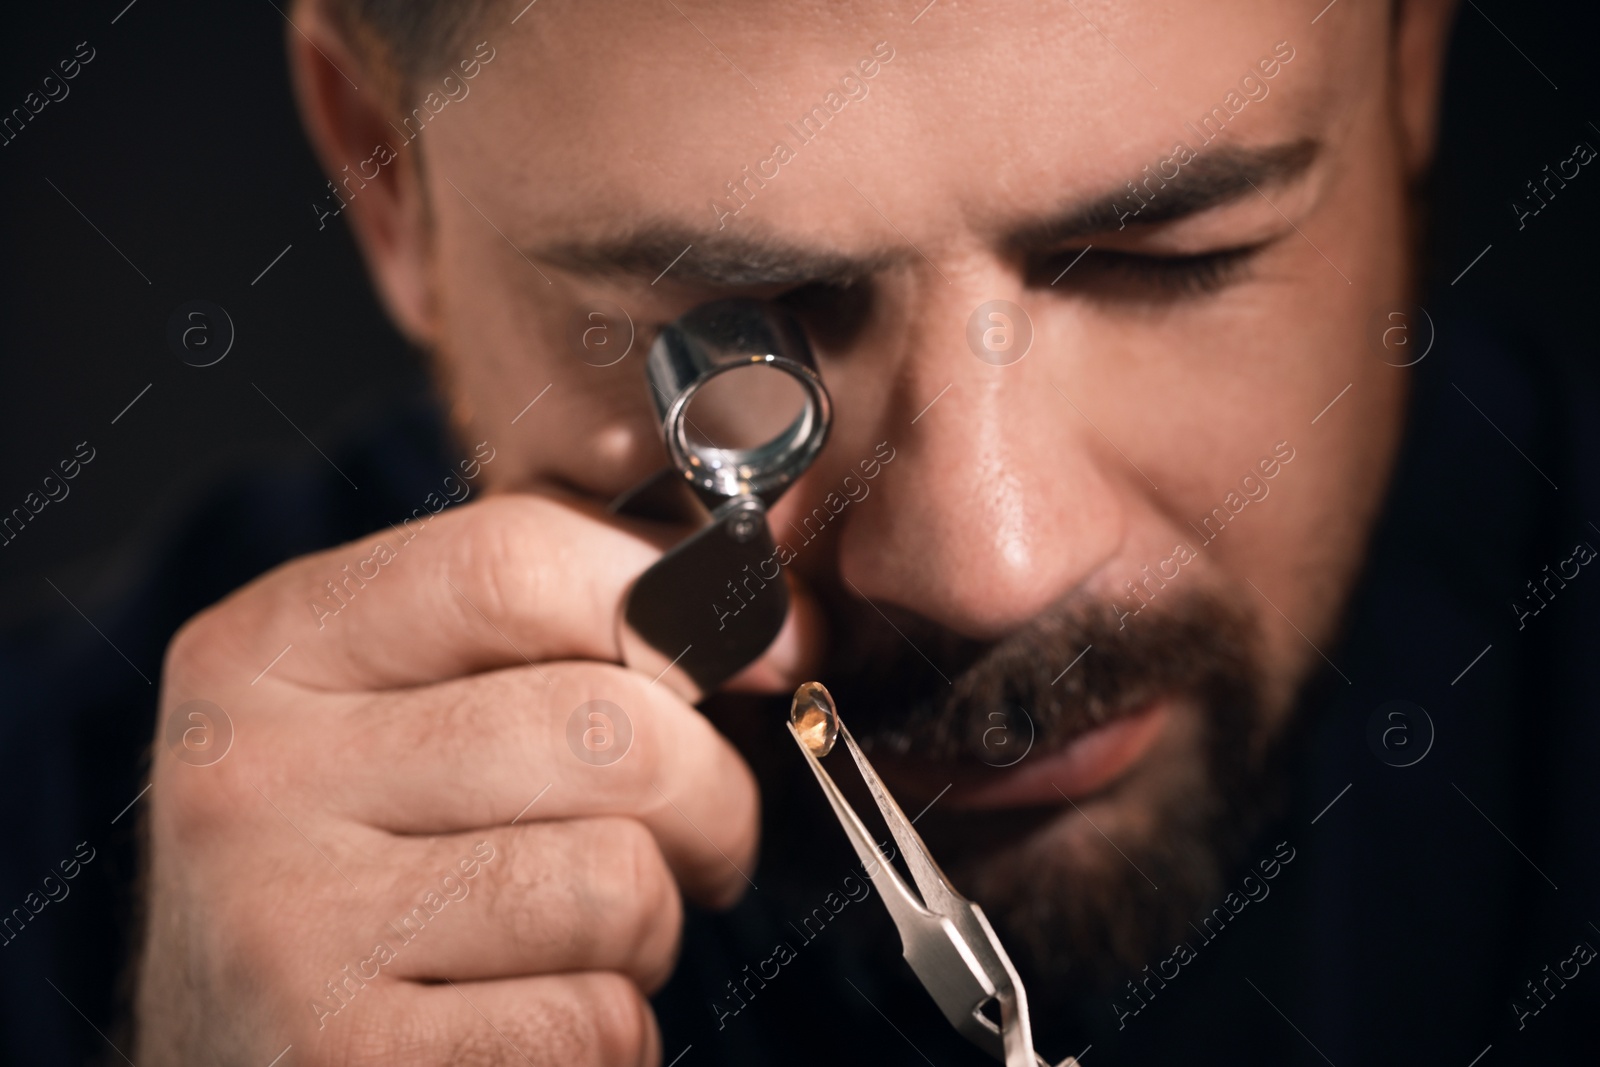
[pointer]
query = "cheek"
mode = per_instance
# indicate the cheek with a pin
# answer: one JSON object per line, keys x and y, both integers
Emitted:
{"x": 1197, "y": 395}
{"x": 599, "y": 445}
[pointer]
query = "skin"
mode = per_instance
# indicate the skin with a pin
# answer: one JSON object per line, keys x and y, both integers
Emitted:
{"x": 421, "y": 720}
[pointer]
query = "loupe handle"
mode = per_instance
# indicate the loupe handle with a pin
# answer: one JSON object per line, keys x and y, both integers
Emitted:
{"x": 715, "y": 602}
{"x": 710, "y": 607}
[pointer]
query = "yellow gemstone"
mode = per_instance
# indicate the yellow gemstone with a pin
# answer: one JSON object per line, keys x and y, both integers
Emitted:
{"x": 815, "y": 718}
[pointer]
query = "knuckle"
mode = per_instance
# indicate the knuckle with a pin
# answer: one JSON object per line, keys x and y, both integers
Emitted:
{"x": 649, "y": 905}
{"x": 607, "y": 900}
{"x": 746, "y": 840}
{"x": 191, "y": 810}
{"x": 740, "y": 805}
{"x": 639, "y": 867}
{"x": 489, "y": 551}
{"x": 621, "y": 1018}
{"x": 194, "y": 650}
{"x": 182, "y": 811}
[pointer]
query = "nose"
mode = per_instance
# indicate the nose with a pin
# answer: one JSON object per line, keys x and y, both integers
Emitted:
{"x": 998, "y": 501}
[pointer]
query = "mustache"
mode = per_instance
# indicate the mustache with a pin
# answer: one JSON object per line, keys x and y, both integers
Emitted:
{"x": 907, "y": 684}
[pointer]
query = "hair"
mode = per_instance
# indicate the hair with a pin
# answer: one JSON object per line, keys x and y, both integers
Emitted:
{"x": 404, "y": 40}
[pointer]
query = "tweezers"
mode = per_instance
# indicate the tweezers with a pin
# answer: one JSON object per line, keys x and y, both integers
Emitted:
{"x": 945, "y": 937}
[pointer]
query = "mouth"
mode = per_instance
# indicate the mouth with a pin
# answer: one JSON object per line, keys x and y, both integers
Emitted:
{"x": 1089, "y": 763}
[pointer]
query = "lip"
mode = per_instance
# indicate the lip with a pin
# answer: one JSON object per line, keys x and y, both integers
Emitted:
{"x": 1090, "y": 763}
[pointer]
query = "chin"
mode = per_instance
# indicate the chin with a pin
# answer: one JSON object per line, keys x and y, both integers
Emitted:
{"x": 1087, "y": 891}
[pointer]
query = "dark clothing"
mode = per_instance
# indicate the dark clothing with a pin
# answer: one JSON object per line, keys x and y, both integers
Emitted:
{"x": 1420, "y": 903}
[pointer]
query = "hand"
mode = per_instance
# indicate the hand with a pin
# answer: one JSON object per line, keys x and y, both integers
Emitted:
{"x": 400, "y": 859}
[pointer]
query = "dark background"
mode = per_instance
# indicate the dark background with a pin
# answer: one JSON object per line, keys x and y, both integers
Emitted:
{"x": 180, "y": 143}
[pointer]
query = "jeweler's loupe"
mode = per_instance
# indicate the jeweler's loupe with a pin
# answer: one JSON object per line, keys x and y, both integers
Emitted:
{"x": 743, "y": 413}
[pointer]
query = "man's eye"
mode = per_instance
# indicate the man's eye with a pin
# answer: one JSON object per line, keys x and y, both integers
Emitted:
{"x": 1133, "y": 276}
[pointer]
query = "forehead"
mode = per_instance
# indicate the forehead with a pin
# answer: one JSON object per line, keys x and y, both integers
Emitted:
{"x": 600, "y": 116}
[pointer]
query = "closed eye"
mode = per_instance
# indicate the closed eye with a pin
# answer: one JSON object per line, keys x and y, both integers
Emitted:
{"x": 1139, "y": 277}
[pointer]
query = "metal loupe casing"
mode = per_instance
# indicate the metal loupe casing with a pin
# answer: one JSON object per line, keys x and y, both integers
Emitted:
{"x": 716, "y": 338}
{"x": 715, "y": 602}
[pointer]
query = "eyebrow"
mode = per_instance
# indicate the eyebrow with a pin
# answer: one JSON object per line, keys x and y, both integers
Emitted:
{"x": 720, "y": 258}
{"x": 723, "y": 259}
{"x": 1212, "y": 179}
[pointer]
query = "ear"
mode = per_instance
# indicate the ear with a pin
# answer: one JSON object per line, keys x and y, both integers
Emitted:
{"x": 1421, "y": 36}
{"x": 345, "y": 104}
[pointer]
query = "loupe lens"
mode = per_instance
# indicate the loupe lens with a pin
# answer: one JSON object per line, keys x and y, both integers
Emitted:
{"x": 742, "y": 408}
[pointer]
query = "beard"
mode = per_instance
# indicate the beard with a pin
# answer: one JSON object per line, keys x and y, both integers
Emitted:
{"x": 1083, "y": 893}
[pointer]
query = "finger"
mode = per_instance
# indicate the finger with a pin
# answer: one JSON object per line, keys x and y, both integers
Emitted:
{"x": 579, "y": 1020}
{"x": 519, "y": 745}
{"x": 540, "y": 898}
{"x": 510, "y": 579}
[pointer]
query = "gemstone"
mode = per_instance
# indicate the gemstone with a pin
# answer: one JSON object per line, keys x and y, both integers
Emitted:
{"x": 815, "y": 718}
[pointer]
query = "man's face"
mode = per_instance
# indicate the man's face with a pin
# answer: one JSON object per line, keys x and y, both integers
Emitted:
{"x": 1128, "y": 545}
